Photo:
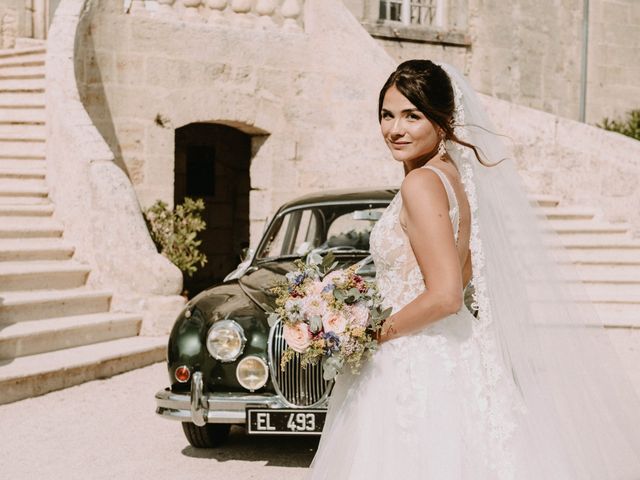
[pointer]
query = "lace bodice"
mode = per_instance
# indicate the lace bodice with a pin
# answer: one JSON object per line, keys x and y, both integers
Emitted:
{"x": 398, "y": 274}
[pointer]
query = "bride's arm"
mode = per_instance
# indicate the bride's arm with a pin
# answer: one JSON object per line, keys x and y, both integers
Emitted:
{"x": 427, "y": 224}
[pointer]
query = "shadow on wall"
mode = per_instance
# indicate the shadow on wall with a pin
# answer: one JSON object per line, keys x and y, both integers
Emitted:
{"x": 91, "y": 88}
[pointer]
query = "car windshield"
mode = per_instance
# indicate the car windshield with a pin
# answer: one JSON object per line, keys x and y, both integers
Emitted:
{"x": 340, "y": 227}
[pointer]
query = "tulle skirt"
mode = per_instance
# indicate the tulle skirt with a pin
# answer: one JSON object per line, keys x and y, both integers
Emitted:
{"x": 426, "y": 407}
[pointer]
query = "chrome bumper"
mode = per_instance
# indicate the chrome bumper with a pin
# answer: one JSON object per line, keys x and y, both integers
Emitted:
{"x": 220, "y": 407}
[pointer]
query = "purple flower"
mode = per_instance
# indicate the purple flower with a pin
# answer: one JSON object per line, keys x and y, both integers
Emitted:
{"x": 332, "y": 342}
{"x": 328, "y": 287}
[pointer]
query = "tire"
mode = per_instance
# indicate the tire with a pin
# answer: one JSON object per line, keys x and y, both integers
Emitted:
{"x": 211, "y": 435}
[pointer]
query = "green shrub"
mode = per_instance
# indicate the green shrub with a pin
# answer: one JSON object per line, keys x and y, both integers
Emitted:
{"x": 630, "y": 126}
{"x": 174, "y": 232}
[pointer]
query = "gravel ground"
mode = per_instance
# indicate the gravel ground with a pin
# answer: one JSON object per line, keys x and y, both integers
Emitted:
{"x": 108, "y": 429}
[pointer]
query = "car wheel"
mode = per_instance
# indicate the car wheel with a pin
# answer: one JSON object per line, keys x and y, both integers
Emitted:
{"x": 210, "y": 435}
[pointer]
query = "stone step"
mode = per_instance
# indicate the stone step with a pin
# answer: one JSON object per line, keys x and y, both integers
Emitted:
{"x": 24, "y": 129}
{"x": 21, "y": 163}
{"x": 566, "y": 213}
{"x": 51, "y": 334}
{"x": 614, "y": 293}
{"x": 25, "y": 42}
{"x": 11, "y": 84}
{"x": 35, "y": 70}
{"x": 21, "y": 73}
{"x": 40, "y": 304}
{"x": 570, "y": 227}
{"x": 10, "y": 194}
{"x": 607, "y": 273}
{"x": 38, "y": 51}
{"x": 22, "y": 173}
{"x": 30, "y": 227}
{"x": 22, "y": 184}
{"x": 28, "y": 148}
{"x": 34, "y": 249}
{"x": 34, "y": 375}
{"x": 607, "y": 257}
{"x": 19, "y": 63}
{"x": 36, "y": 198}
{"x": 599, "y": 242}
{"x": 544, "y": 201}
{"x": 30, "y": 115}
{"x": 51, "y": 275}
{"x": 618, "y": 315}
{"x": 23, "y": 137}
{"x": 616, "y": 310}
{"x": 26, "y": 210}
{"x": 22, "y": 99}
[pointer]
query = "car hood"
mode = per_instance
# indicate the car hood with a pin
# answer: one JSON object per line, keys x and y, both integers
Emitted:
{"x": 256, "y": 284}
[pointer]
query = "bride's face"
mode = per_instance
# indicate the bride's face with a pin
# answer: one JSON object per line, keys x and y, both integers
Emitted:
{"x": 408, "y": 133}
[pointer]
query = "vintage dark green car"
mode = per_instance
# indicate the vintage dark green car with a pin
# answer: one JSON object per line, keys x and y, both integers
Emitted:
{"x": 224, "y": 359}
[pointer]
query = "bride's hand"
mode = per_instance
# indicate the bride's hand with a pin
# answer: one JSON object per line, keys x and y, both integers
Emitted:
{"x": 387, "y": 332}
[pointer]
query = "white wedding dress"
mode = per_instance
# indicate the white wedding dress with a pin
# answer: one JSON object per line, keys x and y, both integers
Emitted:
{"x": 528, "y": 390}
{"x": 425, "y": 406}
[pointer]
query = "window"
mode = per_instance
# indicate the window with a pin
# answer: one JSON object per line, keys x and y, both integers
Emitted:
{"x": 295, "y": 234}
{"x": 411, "y": 12}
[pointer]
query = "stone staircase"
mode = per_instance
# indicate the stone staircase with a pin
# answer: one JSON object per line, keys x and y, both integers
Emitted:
{"x": 55, "y": 331}
{"x": 605, "y": 257}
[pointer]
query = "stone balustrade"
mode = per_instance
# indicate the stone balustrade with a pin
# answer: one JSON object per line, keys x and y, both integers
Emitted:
{"x": 285, "y": 14}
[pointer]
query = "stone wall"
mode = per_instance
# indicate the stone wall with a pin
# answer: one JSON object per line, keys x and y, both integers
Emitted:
{"x": 614, "y": 59}
{"x": 11, "y": 20}
{"x": 93, "y": 198}
{"x": 581, "y": 164}
{"x": 313, "y": 115}
{"x": 530, "y": 52}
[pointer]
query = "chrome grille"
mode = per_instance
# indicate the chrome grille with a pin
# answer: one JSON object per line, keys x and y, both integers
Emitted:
{"x": 301, "y": 387}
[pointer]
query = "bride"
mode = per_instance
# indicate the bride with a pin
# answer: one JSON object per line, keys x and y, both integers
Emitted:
{"x": 527, "y": 387}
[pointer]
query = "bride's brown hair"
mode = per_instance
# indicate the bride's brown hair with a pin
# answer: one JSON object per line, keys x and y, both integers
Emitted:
{"x": 429, "y": 88}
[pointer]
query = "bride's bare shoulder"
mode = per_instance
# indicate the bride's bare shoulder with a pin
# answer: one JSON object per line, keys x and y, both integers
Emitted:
{"x": 422, "y": 186}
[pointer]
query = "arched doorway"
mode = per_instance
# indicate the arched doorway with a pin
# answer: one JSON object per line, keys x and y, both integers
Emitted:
{"x": 212, "y": 162}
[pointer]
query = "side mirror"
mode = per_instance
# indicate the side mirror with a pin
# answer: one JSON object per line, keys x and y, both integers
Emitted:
{"x": 246, "y": 254}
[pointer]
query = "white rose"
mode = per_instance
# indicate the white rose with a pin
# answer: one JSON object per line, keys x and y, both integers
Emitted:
{"x": 314, "y": 306}
{"x": 358, "y": 315}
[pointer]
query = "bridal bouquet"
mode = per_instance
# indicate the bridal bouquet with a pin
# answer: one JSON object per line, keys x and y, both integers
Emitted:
{"x": 329, "y": 315}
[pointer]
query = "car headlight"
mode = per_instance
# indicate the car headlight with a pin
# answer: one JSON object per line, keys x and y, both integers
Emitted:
{"x": 225, "y": 340}
{"x": 252, "y": 373}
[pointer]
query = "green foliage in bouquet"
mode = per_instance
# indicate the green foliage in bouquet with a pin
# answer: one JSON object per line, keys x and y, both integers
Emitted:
{"x": 174, "y": 232}
{"x": 630, "y": 126}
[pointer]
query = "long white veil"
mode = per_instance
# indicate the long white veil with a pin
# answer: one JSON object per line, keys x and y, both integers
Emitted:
{"x": 576, "y": 409}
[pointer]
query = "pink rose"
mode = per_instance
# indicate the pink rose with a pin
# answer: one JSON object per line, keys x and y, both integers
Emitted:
{"x": 297, "y": 336}
{"x": 358, "y": 315}
{"x": 334, "y": 322}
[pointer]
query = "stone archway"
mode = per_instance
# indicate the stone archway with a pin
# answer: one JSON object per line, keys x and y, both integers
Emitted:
{"x": 212, "y": 162}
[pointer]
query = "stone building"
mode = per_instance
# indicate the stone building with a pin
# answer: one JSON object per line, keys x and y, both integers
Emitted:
{"x": 525, "y": 52}
{"x": 249, "y": 103}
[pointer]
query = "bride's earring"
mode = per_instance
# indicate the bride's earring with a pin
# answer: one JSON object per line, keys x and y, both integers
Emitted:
{"x": 442, "y": 149}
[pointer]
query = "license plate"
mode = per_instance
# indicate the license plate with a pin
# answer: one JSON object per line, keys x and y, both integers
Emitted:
{"x": 290, "y": 421}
